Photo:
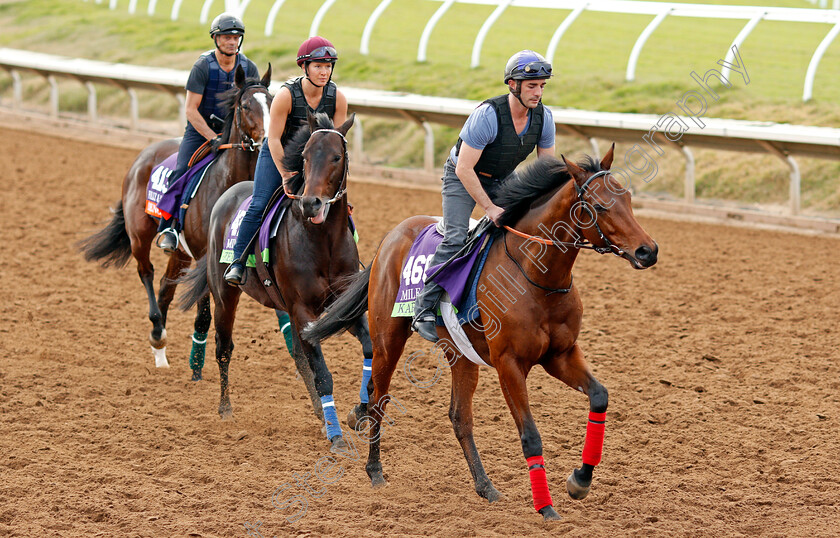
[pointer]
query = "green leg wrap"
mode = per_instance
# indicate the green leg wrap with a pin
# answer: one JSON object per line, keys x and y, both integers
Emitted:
{"x": 286, "y": 328}
{"x": 197, "y": 352}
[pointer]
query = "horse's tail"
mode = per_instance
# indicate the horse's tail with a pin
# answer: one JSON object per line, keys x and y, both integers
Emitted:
{"x": 110, "y": 244}
{"x": 344, "y": 312}
{"x": 197, "y": 286}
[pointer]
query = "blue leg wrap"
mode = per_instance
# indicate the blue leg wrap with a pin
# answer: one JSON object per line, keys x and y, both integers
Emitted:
{"x": 330, "y": 416}
{"x": 366, "y": 373}
{"x": 197, "y": 351}
{"x": 286, "y": 328}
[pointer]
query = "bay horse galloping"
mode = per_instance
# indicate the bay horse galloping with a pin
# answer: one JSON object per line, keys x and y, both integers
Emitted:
{"x": 530, "y": 312}
{"x": 131, "y": 230}
{"x": 312, "y": 254}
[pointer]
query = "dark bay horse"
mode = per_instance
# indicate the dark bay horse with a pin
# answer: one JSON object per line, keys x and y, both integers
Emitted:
{"x": 311, "y": 255}
{"x": 131, "y": 230}
{"x": 530, "y": 311}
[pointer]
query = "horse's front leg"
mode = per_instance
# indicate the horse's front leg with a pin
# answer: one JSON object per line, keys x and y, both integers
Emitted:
{"x": 304, "y": 370}
{"x": 464, "y": 382}
{"x": 571, "y": 369}
{"x": 362, "y": 333}
{"x": 323, "y": 380}
{"x": 512, "y": 374}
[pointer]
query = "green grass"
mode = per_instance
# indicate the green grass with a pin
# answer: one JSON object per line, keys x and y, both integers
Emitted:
{"x": 590, "y": 64}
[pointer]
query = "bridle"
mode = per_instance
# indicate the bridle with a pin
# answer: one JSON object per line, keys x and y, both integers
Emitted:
{"x": 607, "y": 245}
{"x": 342, "y": 188}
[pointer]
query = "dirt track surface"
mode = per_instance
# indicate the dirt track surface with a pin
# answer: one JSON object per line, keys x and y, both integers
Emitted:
{"x": 722, "y": 362}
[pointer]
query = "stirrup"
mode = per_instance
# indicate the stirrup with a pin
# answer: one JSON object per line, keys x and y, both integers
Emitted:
{"x": 159, "y": 238}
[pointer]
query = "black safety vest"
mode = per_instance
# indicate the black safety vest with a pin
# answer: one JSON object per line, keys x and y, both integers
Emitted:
{"x": 501, "y": 156}
{"x": 297, "y": 117}
{"x": 219, "y": 81}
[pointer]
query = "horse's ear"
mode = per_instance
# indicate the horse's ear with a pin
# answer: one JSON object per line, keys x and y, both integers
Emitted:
{"x": 347, "y": 124}
{"x": 266, "y": 78}
{"x": 310, "y": 119}
{"x": 574, "y": 170}
{"x": 606, "y": 162}
{"x": 239, "y": 76}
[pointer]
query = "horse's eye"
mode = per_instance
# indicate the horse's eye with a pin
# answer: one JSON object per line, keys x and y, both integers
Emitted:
{"x": 336, "y": 158}
{"x": 600, "y": 209}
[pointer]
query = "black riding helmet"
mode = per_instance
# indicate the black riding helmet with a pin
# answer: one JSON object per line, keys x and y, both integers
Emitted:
{"x": 228, "y": 24}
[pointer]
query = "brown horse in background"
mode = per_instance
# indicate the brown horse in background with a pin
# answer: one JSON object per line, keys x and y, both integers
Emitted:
{"x": 131, "y": 230}
{"x": 311, "y": 258}
{"x": 530, "y": 312}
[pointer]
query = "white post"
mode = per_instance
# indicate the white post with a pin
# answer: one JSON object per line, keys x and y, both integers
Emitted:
{"x": 485, "y": 29}
{"x": 272, "y": 14}
{"x": 630, "y": 76}
{"x": 430, "y": 26}
{"x": 739, "y": 39}
{"x": 555, "y": 39}
{"x": 91, "y": 104}
{"x": 134, "y": 108}
{"x": 808, "y": 90}
{"x": 319, "y": 16}
{"x": 53, "y": 96}
{"x": 428, "y": 148}
{"x": 17, "y": 89}
{"x": 364, "y": 48}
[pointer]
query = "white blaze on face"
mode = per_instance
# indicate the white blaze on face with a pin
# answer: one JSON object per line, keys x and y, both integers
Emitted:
{"x": 263, "y": 101}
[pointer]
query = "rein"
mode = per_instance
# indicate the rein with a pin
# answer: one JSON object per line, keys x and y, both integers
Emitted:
{"x": 342, "y": 188}
{"x": 585, "y": 244}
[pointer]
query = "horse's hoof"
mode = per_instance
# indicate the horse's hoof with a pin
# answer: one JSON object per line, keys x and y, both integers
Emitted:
{"x": 549, "y": 513}
{"x": 196, "y": 375}
{"x": 226, "y": 411}
{"x": 354, "y": 416}
{"x": 491, "y": 494}
{"x": 576, "y": 491}
{"x": 378, "y": 481}
{"x": 339, "y": 445}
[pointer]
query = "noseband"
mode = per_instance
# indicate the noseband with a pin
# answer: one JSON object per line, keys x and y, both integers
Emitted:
{"x": 342, "y": 188}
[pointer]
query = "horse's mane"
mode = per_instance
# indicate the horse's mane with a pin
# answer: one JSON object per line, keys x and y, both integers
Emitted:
{"x": 228, "y": 100}
{"x": 532, "y": 186}
{"x": 293, "y": 150}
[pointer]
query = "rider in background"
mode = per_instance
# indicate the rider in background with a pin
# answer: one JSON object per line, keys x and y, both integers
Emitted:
{"x": 314, "y": 91}
{"x": 212, "y": 74}
{"x": 496, "y": 138}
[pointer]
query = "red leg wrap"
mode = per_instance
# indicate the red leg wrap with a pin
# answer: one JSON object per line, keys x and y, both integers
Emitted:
{"x": 539, "y": 482}
{"x": 594, "y": 444}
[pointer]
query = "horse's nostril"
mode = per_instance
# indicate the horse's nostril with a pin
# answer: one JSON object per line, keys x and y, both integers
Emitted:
{"x": 646, "y": 255}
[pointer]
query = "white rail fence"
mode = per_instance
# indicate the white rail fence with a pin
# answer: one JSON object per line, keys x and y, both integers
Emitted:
{"x": 784, "y": 141}
{"x": 752, "y": 15}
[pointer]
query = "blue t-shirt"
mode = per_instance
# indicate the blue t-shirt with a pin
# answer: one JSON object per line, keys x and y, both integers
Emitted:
{"x": 482, "y": 126}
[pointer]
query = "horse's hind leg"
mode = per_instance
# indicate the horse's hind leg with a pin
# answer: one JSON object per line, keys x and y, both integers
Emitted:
{"x": 362, "y": 333}
{"x": 464, "y": 382}
{"x": 571, "y": 368}
{"x": 146, "y": 271}
{"x": 224, "y": 316}
{"x": 201, "y": 326}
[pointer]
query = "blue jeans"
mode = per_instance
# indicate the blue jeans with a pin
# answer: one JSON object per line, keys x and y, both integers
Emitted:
{"x": 267, "y": 179}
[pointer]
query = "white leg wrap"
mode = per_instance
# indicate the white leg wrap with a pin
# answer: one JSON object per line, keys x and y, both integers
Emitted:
{"x": 160, "y": 357}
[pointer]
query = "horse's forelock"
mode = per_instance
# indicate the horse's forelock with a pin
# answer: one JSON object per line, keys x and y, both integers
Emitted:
{"x": 293, "y": 151}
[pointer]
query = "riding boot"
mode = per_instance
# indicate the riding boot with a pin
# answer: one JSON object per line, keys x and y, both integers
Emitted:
{"x": 424, "y": 312}
{"x": 235, "y": 274}
{"x": 167, "y": 235}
